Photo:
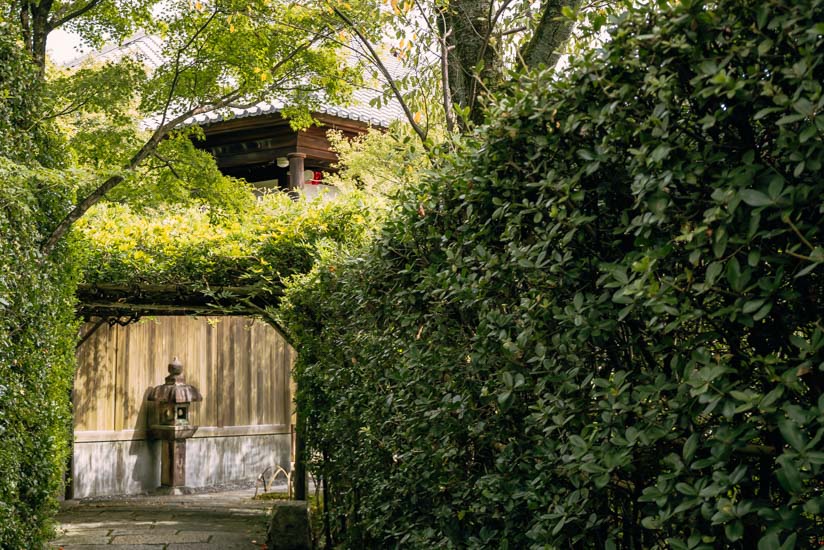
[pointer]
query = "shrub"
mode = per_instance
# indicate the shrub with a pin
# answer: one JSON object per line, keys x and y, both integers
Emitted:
{"x": 599, "y": 325}
{"x": 178, "y": 245}
{"x": 37, "y": 337}
{"x": 37, "y": 327}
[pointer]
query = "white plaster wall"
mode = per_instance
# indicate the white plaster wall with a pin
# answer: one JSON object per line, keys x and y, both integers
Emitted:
{"x": 215, "y": 460}
{"x": 104, "y": 468}
{"x": 115, "y": 468}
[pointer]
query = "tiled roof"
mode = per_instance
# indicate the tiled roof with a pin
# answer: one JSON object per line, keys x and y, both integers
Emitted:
{"x": 148, "y": 49}
{"x": 143, "y": 47}
{"x": 358, "y": 109}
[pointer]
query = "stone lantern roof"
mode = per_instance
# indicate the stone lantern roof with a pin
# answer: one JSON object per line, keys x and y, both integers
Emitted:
{"x": 175, "y": 390}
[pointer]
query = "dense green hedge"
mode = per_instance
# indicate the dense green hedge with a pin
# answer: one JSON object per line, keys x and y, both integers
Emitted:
{"x": 37, "y": 327}
{"x": 37, "y": 337}
{"x": 600, "y": 325}
{"x": 184, "y": 245}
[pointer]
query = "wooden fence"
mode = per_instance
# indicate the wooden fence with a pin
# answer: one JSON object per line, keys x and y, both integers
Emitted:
{"x": 241, "y": 367}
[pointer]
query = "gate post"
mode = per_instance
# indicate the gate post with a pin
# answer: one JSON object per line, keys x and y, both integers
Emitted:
{"x": 300, "y": 459}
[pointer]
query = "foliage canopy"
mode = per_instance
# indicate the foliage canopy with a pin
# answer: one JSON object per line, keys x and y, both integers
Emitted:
{"x": 269, "y": 242}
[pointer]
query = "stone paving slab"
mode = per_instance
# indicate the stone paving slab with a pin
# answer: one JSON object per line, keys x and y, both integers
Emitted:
{"x": 225, "y": 521}
{"x": 104, "y": 547}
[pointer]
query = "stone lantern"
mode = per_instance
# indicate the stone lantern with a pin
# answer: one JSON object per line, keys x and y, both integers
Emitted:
{"x": 171, "y": 426}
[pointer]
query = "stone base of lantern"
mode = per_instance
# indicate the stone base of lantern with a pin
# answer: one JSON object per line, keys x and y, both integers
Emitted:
{"x": 173, "y": 491}
{"x": 172, "y": 457}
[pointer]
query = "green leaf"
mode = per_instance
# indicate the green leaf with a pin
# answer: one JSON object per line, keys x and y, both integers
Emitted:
{"x": 789, "y": 479}
{"x": 577, "y": 441}
{"x": 764, "y": 112}
{"x": 806, "y": 271}
{"x": 789, "y": 119}
{"x": 734, "y": 531}
{"x": 804, "y": 106}
{"x": 660, "y": 153}
{"x": 690, "y": 446}
{"x": 769, "y": 542}
{"x": 755, "y": 198}
{"x": 753, "y": 257}
{"x": 752, "y": 305}
{"x": 789, "y": 542}
{"x": 734, "y": 274}
{"x": 774, "y": 394}
{"x": 713, "y": 270}
{"x": 686, "y": 489}
{"x": 509, "y": 381}
{"x": 791, "y": 433}
{"x": 763, "y": 312}
{"x": 650, "y": 522}
{"x": 504, "y": 397}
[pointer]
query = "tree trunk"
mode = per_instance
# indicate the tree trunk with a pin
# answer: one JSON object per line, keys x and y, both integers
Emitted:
{"x": 471, "y": 58}
{"x": 34, "y": 21}
{"x": 552, "y": 32}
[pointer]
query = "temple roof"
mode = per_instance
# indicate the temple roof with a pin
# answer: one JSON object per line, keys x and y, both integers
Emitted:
{"x": 149, "y": 50}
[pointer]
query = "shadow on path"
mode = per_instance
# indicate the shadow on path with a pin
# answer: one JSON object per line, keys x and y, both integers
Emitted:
{"x": 229, "y": 520}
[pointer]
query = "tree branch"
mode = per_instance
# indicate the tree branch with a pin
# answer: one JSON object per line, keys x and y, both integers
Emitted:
{"x": 447, "y": 95}
{"x": 391, "y": 81}
{"x": 62, "y": 20}
{"x": 168, "y": 164}
{"x": 145, "y": 151}
{"x": 178, "y": 70}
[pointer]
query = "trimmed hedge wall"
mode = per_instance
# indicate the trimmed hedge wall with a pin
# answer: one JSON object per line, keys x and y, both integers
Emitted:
{"x": 271, "y": 240}
{"x": 600, "y": 324}
{"x": 37, "y": 325}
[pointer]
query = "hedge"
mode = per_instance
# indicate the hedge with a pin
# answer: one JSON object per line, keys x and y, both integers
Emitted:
{"x": 37, "y": 326}
{"x": 270, "y": 241}
{"x": 599, "y": 325}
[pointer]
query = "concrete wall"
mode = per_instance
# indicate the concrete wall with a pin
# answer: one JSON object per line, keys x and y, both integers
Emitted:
{"x": 127, "y": 467}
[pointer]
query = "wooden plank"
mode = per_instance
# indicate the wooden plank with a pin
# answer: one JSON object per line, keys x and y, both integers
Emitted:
{"x": 242, "y": 365}
{"x": 94, "y": 384}
{"x": 288, "y": 364}
{"x": 252, "y": 373}
{"x": 206, "y": 412}
{"x": 282, "y": 383}
{"x": 226, "y": 347}
{"x": 264, "y": 371}
{"x": 123, "y": 350}
{"x": 193, "y": 366}
{"x": 137, "y": 371}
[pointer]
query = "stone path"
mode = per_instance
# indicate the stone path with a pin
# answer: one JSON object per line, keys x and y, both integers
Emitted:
{"x": 226, "y": 521}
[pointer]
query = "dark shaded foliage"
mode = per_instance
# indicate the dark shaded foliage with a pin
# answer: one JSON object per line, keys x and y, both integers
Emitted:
{"x": 600, "y": 324}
